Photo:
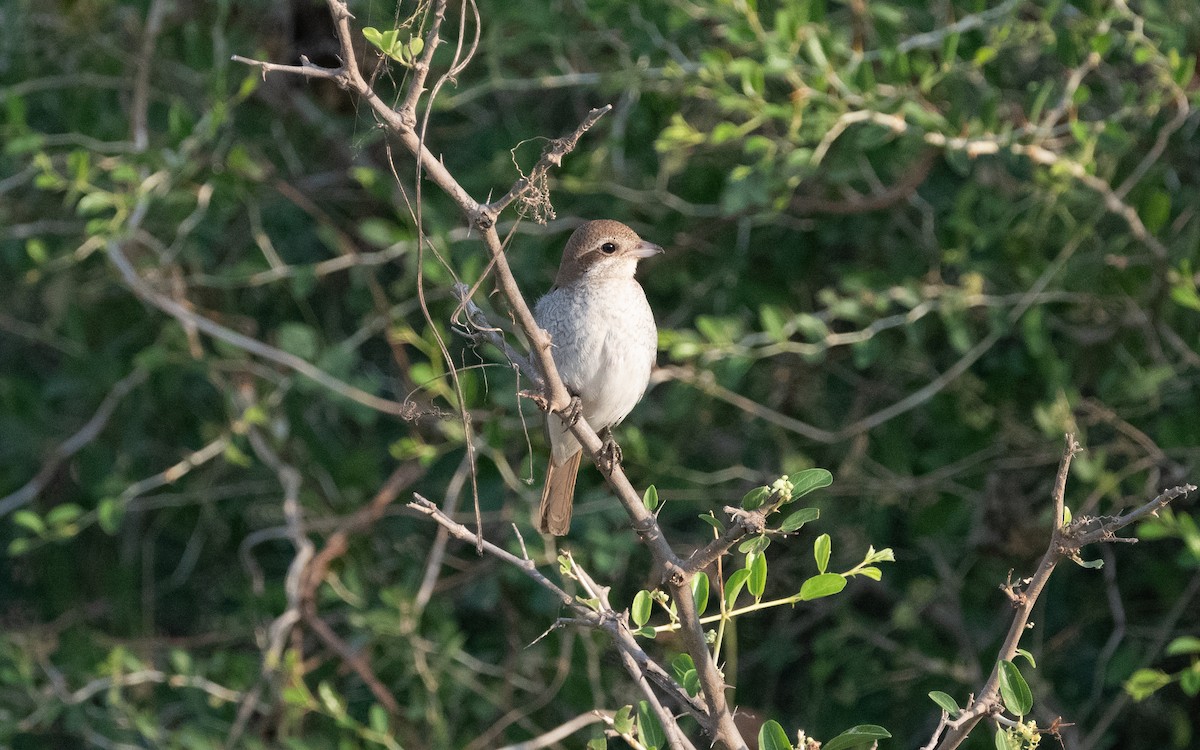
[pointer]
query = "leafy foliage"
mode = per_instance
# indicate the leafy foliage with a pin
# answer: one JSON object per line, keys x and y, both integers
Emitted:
{"x": 913, "y": 242}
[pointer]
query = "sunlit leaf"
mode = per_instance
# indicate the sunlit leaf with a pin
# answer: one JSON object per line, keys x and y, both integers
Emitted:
{"x": 1018, "y": 698}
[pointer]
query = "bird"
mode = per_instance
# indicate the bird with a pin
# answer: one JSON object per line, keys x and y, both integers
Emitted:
{"x": 604, "y": 344}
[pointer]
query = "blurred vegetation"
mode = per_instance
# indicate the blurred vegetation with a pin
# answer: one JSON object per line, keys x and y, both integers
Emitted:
{"x": 913, "y": 243}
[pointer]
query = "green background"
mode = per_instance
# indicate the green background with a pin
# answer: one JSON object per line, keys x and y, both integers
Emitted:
{"x": 1015, "y": 260}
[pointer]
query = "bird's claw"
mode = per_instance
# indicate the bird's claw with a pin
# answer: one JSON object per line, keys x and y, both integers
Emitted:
{"x": 572, "y": 412}
{"x": 610, "y": 454}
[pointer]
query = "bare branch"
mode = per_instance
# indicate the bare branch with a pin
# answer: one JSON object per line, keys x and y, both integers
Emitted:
{"x": 1065, "y": 542}
{"x": 187, "y": 317}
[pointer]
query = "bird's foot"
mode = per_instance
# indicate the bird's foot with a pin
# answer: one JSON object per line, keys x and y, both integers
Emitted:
{"x": 610, "y": 453}
{"x": 572, "y": 412}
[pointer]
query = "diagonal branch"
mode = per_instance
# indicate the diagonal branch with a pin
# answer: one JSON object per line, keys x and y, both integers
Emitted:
{"x": 718, "y": 722}
{"x": 1065, "y": 542}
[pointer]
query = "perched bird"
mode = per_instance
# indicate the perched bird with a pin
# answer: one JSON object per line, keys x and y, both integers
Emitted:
{"x": 604, "y": 343}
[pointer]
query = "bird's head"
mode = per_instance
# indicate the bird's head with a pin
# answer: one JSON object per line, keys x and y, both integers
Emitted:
{"x": 602, "y": 249}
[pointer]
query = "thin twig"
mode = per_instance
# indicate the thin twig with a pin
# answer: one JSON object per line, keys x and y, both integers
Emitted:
{"x": 72, "y": 445}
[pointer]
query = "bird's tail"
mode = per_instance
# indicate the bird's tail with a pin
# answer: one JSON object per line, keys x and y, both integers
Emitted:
{"x": 558, "y": 496}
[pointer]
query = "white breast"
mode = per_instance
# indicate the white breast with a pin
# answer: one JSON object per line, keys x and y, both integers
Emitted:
{"x": 604, "y": 347}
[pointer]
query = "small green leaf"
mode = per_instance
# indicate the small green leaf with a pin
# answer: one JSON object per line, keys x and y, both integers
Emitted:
{"x": 756, "y": 497}
{"x": 681, "y": 664}
{"x": 821, "y": 551}
{"x": 795, "y": 520}
{"x": 1028, "y": 657}
{"x": 712, "y": 520}
{"x": 1187, "y": 644}
{"x": 62, "y": 515}
{"x": 757, "y": 583}
{"x": 772, "y": 737}
{"x": 650, "y": 731}
{"x": 415, "y": 46}
{"x": 19, "y": 546}
{"x": 1018, "y": 698}
{"x": 30, "y": 520}
{"x": 378, "y": 718}
{"x": 733, "y": 585}
{"x": 755, "y": 545}
{"x": 1144, "y": 682}
{"x": 1002, "y": 742}
{"x": 1189, "y": 680}
{"x": 622, "y": 721}
{"x": 809, "y": 480}
{"x": 640, "y": 611}
{"x": 332, "y": 701}
{"x": 700, "y": 592}
{"x": 646, "y": 632}
{"x": 373, "y": 36}
{"x": 650, "y": 498}
{"x": 685, "y": 673}
{"x": 1090, "y": 564}
{"x": 859, "y": 736}
{"x": 109, "y": 512}
{"x": 872, "y": 572}
{"x": 947, "y": 703}
{"x": 817, "y": 587}
{"x": 597, "y": 743}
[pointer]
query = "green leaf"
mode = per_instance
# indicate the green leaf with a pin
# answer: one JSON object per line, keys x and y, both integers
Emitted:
{"x": 755, "y": 545}
{"x": 872, "y": 572}
{"x": 700, "y": 592}
{"x": 809, "y": 480}
{"x": 415, "y": 46}
{"x": 1189, "y": 680}
{"x": 772, "y": 737}
{"x": 822, "y": 548}
{"x": 640, "y": 611}
{"x": 757, "y": 583}
{"x": 756, "y": 497}
{"x": 1090, "y": 564}
{"x": 109, "y": 512}
{"x": 1002, "y": 742}
{"x": 1156, "y": 211}
{"x": 947, "y": 703}
{"x": 332, "y": 701}
{"x": 298, "y": 339}
{"x": 1018, "y": 698}
{"x": 378, "y": 718}
{"x": 795, "y": 520}
{"x": 646, "y": 632}
{"x": 622, "y": 721}
{"x": 61, "y": 515}
{"x": 1028, "y": 657}
{"x": 19, "y": 546}
{"x": 681, "y": 664}
{"x": 817, "y": 587}
{"x": 1144, "y": 682}
{"x": 597, "y": 743}
{"x": 650, "y": 498}
{"x": 685, "y": 673}
{"x": 373, "y": 36}
{"x": 30, "y": 520}
{"x": 859, "y": 736}
{"x": 650, "y": 731}
{"x": 712, "y": 520}
{"x": 1187, "y": 644}
{"x": 733, "y": 585}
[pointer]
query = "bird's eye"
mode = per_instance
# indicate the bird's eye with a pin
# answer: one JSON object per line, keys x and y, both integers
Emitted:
{"x": 608, "y": 248}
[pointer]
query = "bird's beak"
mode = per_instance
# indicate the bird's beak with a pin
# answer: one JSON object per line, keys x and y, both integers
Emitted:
{"x": 645, "y": 249}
